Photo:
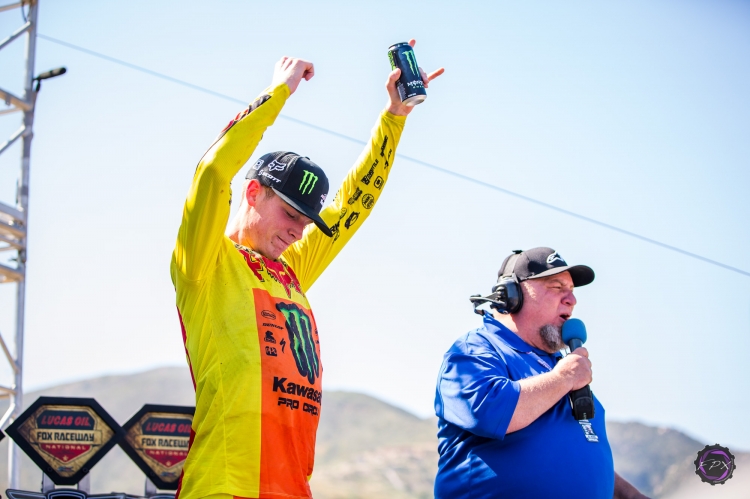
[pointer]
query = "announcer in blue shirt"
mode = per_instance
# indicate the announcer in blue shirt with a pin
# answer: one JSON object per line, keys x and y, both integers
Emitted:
{"x": 506, "y": 429}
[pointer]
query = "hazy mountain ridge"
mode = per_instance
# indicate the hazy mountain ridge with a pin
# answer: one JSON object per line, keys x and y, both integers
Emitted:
{"x": 367, "y": 448}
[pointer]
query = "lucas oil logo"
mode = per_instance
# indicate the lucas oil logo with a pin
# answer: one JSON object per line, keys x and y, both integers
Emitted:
{"x": 64, "y": 437}
{"x": 160, "y": 441}
{"x": 165, "y": 439}
{"x": 301, "y": 342}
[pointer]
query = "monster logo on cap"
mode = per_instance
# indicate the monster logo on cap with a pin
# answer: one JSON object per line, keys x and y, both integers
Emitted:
{"x": 308, "y": 182}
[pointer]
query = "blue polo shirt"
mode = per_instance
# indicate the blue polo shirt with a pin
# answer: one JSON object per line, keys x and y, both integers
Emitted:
{"x": 477, "y": 393}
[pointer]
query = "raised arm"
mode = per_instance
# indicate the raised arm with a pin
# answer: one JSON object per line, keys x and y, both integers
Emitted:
{"x": 359, "y": 192}
{"x": 206, "y": 211}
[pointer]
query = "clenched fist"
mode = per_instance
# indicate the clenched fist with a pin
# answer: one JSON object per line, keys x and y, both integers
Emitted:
{"x": 575, "y": 368}
{"x": 291, "y": 70}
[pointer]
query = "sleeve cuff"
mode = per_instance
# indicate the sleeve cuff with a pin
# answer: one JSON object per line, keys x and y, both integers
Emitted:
{"x": 398, "y": 120}
{"x": 280, "y": 91}
{"x": 504, "y": 420}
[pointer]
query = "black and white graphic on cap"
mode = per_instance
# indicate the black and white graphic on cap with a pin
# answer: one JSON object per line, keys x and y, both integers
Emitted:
{"x": 269, "y": 176}
{"x": 276, "y": 166}
{"x": 554, "y": 257}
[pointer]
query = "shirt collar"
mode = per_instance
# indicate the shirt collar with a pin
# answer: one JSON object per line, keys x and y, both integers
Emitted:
{"x": 510, "y": 338}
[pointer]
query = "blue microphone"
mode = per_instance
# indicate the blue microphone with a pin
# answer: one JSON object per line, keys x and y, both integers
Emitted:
{"x": 581, "y": 400}
{"x": 574, "y": 333}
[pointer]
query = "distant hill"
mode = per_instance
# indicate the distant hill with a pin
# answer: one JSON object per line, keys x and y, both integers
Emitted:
{"x": 368, "y": 449}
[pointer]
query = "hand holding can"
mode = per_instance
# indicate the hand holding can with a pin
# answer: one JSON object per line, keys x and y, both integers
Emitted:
{"x": 409, "y": 85}
{"x": 407, "y": 82}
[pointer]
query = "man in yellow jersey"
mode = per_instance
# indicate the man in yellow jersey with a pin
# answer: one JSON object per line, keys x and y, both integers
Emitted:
{"x": 250, "y": 336}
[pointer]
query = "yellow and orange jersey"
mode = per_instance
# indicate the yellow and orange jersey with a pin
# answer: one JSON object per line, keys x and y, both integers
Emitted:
{"x": 250, "y": 336}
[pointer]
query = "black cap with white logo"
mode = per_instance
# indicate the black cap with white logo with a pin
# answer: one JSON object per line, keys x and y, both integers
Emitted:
{"x": 543, "y": 262}
{"x": 296, "y": 180}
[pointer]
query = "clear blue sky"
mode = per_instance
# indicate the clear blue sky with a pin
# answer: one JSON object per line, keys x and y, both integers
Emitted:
{"x": 633, "y": 113}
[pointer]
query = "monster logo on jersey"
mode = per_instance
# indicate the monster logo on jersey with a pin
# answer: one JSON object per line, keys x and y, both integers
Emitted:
{"x": 301, "y": 342}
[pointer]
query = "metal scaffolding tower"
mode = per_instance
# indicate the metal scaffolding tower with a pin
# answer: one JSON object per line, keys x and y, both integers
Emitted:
{"x": 13, "y": 222}
{"x": 13, "y": 219}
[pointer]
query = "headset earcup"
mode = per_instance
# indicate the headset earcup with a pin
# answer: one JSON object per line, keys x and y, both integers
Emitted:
{"x": 510, "y": 292}
{"x": 514, "y": 295}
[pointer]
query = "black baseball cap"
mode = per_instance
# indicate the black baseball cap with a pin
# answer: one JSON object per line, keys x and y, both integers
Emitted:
{"x": 296, "y": 180}
{"x": 542, "y": 262}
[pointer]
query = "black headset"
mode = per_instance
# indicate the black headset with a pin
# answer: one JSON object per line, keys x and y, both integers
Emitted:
{"x": 506, "y": 296}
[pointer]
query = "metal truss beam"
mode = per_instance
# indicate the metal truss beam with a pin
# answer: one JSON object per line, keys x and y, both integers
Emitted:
{"x": 20, "y": 31}
{"x": 16, "y": 101}
{"x": 10, "y": 6}
{"x": 13, "y": 219}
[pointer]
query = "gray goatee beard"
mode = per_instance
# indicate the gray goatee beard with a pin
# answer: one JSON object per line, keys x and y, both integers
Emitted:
{"x": 551, "y": 337}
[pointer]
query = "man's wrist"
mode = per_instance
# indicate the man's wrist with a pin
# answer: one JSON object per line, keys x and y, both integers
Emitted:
{"x": 562, "y": 380}
{"x": 281, "y": 88}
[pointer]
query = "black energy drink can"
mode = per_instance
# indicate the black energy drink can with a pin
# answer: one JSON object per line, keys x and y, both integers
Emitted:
{"x": 409, "y": 85}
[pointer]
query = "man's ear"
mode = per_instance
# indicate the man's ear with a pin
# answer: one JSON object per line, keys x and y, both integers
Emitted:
{"x": 252, "y": 191}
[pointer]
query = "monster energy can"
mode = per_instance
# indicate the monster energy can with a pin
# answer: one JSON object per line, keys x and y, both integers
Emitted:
{"x": 410, "y": 86}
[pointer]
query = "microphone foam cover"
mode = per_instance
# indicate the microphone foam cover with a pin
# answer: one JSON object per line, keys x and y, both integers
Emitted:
{"x": 573, "y": 329}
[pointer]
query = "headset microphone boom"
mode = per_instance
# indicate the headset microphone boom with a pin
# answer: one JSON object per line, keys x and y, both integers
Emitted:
{"x": 581, "y": 400}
